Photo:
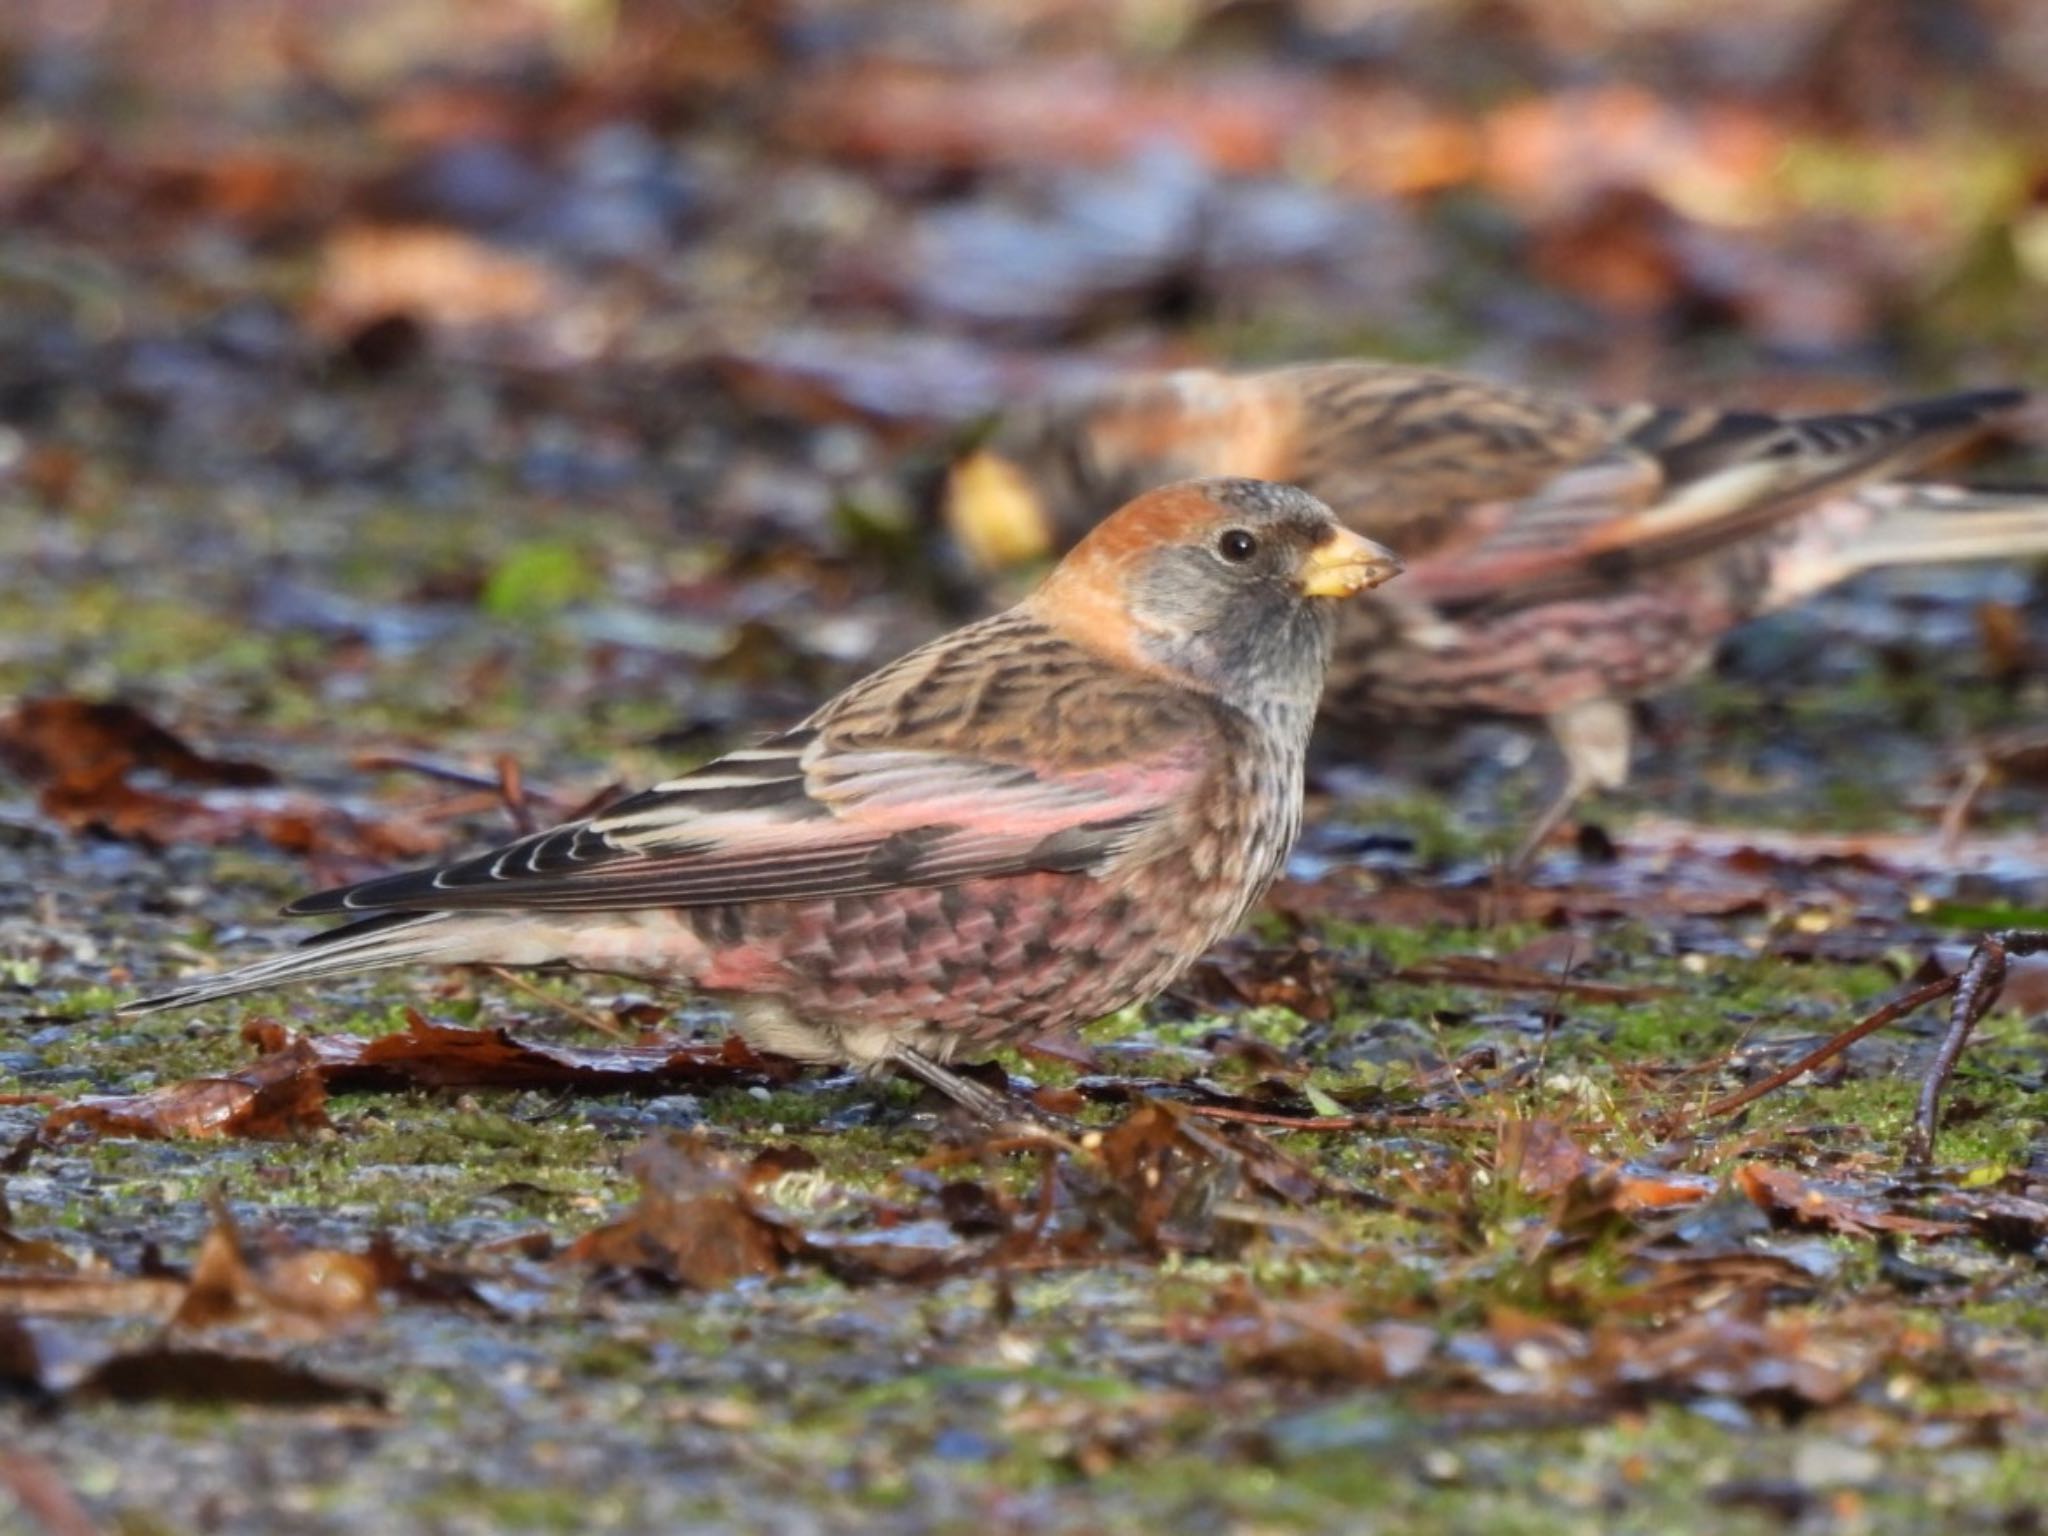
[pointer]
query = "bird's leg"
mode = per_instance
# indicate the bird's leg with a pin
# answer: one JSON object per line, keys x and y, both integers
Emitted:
{"x": 1977, "y": 988}
{"x": 1594, "y": 737}
{"x": 978, "y": 1099}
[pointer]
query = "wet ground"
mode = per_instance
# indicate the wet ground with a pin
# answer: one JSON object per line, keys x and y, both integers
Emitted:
{"x": 406, "y": 421}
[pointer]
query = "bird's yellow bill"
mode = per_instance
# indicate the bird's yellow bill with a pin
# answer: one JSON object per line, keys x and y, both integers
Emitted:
{"x": 1348, "y": 563}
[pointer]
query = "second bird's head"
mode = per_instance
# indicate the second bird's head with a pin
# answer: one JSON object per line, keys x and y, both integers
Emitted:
{"x": 1228, "y": 585}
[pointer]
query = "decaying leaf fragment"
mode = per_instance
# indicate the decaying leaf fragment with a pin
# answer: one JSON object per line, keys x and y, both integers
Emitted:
{"x": 279, "y": 1094}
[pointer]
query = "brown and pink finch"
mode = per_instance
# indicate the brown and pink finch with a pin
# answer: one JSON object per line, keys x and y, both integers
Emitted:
{"x": 1563, "y": 558}
{"x": 1020, "y": 827}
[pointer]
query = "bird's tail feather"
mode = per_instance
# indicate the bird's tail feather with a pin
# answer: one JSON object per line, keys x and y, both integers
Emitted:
{"x": 393, "y": 938}
{"x": 1937, "y": 524}
{"x": 1906, "y": 524}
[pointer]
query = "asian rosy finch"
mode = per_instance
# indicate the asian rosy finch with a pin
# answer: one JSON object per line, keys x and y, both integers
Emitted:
{"x": 1563, "y": 557}
{"x": 1024, "y": 825}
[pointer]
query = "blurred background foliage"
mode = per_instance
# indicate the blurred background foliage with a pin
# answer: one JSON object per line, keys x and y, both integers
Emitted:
{"x": 898, "y": 210}
{"x": 511, "y": 305}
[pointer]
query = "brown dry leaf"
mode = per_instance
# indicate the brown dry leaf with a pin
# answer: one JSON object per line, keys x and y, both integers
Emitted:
{"x": 1037, "y": 116}
{"x": 1298, "y": 977}
{"x": 165, "y": 1373}
{"x": 430, "y": 1055}
{"x": 1619, "y": 253}
{"x": 42, "y": 1278}
{"x": 278, "y": 1094}
{"x": 82, "y": 754}
{"x": 54, "y": 739}
{"x": 1171, "y": 1170}
{"x": 1314, "y": 1338}
{"x": 106, "y": 803}
{"x": 1546, "y": 1158}
{"x": 1743, "y": 1352}
{"x": 89, "y": 1295}
{"x": 1375, "y": 138}
{"x": 113, "y": 807}
{"x": 19, "y": 1255}
{"x": 1549, "y": 1161}
{"x": 439, "y": 277}
{"x": 697, "y": 1224}
{"x": 1561, "y": 151}
{"x": 162, "y": 1372}
{"x": 1789, "y": 1196}
{"x": 295, "y": 1293}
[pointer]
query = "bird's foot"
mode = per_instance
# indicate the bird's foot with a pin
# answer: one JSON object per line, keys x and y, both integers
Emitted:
{"x": 991, "y": 1106}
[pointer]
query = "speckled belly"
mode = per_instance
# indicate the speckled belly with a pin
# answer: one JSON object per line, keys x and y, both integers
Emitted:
{"x": 982, "y": 961}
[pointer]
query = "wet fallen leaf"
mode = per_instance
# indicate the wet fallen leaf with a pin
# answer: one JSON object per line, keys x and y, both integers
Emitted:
{"x": 278, "y": 1094}
{"x": 1316, "y": 1338}
{"x": 20, "y": 1255}
{"x": 291, "y": 1293}
{"x": 1490, "y": 905}
{"x": 89, "y": 1295}
{"x": 1791, "y": 1197}
{"x": 697, "y": 1223}
{"x": 1549, "y": 1161}
{"x": 56, "y": 739}
{"x": 430, "y": 1055}
{"x": 1299, "y": 977}
{"x": 167, "y": 1373}
{"x": 84, "y": 756}
{"x": 1172, "y": 1171}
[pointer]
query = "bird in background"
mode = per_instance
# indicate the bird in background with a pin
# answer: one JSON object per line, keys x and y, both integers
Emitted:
{"x": 1563, "y": 557}
{"x": 1022, "y": 826}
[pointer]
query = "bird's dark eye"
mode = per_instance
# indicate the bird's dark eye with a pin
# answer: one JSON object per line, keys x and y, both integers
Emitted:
{"x": 1236, "y": 546}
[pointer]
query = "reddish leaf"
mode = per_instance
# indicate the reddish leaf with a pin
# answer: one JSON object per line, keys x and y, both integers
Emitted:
{"x": 294, "y": 1293}
{"x": 276, "y": 1095}
{"x": 1172, "y": 1169}
{"x": 1314, "y": 1338}
{"x": 697, "y": 1224}
{"x": 83, "y": 753}
{"x": 1549, "y": 1161}
{"x": 1298, "y": 977}
{"x": 1789, "y": 1197}
{"x": 430, "y": 1055}
{"x": 89, "y": 1295}
{"x": 59, "y": 739}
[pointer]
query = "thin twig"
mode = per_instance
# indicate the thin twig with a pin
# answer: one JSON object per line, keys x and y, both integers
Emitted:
{"x": 42, "y": 1494}
{"x": 512, "y": 790}
{"x": 1890, "y": 1013}
{"x": 576, "y": 1011}
{"x": 1338, "y": 1122}
{"x": 1955, "y": 816}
